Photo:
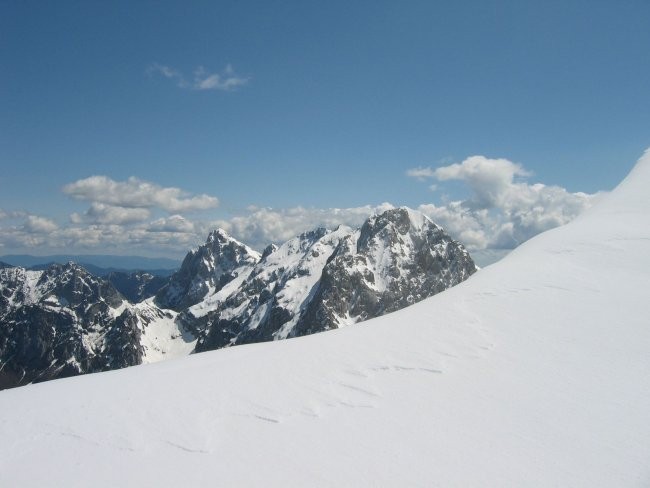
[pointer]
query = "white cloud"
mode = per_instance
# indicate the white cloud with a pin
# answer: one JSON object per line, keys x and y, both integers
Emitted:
{"x": 12, "y": 214}
{"x": 32, "y": 231}
{"x": 39, "y": 225}
{"x": 502, "y": 212}
{"x": 489, "y": 179}
{"x": 467, "y": 226}
{"x": 119, "y": 219}
{"x": 100, "y": 213}
{"x": 136, "y": 193}
{"x": 262, "y": 226}
{"x": 175, "y": 234}
{"x": 165, "y": 71}
{"x": 104, "y": 238}
{"x": 420, "y": 173}
{"x": 226, "y": 80}
{"x": 173, "y": 223}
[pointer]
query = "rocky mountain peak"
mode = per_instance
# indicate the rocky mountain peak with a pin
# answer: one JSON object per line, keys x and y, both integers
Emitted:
{"x": 224, "y": 294}
{"x": 268, "y": 250}
{"x": 392, "y": 223}
{"x": 219, "y": 235}
{"x": 325, "y": 279}
{"x": 74, "y": 286}
{"x": 59, "y": 322}
{"x": 313, "y": 235}
{"x": 397, "y": 258}
{"x": 222, "y": 246}
{"x": 206, "y": 270}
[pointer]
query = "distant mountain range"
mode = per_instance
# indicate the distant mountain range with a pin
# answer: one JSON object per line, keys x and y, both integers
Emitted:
{"x": 63, "y": 320}
{"x": 97, "y": 263}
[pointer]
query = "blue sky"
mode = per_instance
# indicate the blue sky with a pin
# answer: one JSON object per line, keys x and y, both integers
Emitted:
{"x": 304, "y": 105}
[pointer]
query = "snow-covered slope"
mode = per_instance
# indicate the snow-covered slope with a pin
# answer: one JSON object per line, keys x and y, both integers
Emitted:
{"x": 534, "y": 372}
{"x": 224, "y": 294}
{"x": 327, "y": 279}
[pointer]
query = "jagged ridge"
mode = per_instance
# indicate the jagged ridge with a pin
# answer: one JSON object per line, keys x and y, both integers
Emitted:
{"x": 64, "y": 321}
{"x": 328, "y": 279}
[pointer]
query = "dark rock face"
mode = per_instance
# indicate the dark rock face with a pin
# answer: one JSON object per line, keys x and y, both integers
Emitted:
{"x": 398, "y": 259}
{"x": 206, "y": 269}
{"x": 271, "y": 299}
{"x": 61, "y": 322}
{"x": 136, "y": 286}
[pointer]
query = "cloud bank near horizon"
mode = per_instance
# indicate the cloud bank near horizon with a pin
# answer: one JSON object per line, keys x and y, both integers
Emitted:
{"x": 502, "y": 210}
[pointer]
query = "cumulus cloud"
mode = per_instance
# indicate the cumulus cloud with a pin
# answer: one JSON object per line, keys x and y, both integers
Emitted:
{"x": 262, "y": 226}
{"x": 173, "y": 223}
{"x": 99, "y": 213}
{"x": 29, "y": 231}
{"x": 121, "y": 217}
{"x": 490, "y": 180}
{"x": 39, "y": 225}
{"x": 503, "y": 209}
{"x": 225, "y": 80}
{"x": 104, "y": 238}
{"x": 136, "y": 193}
{"x": 108, "y": 230}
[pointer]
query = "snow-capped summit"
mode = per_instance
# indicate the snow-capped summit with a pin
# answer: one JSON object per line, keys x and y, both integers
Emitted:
{"x": 224, "y": 294}
{"x": 206, "y": 270}
{"x": 326, "y": 279}
{"x": 69, "y": 286}
{"x": 272, "y": 299}
{"x": 534, "y": 372}
{"x": 396, "y": 259}
{"x": 59, "y": 322}
{"x": 396, "y": 221}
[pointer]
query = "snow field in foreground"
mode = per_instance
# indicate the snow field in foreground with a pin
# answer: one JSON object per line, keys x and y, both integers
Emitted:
{"x": 534, "y": 372}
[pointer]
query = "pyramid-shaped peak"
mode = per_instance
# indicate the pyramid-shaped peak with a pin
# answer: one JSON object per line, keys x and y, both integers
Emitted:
{"x": 219, "y": 235}
{"x": 268, "y": 250}
{"x": 405, "y": 219}
{"x": 314, "y": 234}
{"x": 219, "y": 240}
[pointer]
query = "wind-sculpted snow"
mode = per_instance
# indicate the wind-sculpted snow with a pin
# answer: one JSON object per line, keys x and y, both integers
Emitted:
{"x": 534, "y": 372}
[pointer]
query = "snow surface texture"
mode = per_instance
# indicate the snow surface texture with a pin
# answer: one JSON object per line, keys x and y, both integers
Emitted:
{"x": 534, "y": 372}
